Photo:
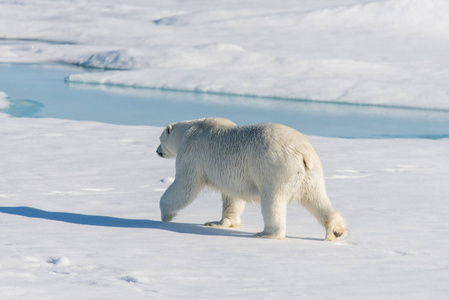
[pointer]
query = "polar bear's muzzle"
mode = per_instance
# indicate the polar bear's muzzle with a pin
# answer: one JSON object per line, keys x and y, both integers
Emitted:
{"x": 159, "y": 151}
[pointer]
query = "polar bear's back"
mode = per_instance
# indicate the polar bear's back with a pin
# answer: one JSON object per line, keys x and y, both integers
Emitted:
{"x": 277, "y": 143}
{"x": 243, "y": 159}
{"x": 265, "y": 138}
{"x": 268, "y": 141}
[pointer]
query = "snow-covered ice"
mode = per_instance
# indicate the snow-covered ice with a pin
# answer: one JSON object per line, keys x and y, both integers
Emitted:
{"x": 79, "y": 201}
{"x": 80, "y": 219}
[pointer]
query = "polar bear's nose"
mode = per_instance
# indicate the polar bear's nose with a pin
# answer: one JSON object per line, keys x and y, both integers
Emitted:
{"x": 159, "y": 152}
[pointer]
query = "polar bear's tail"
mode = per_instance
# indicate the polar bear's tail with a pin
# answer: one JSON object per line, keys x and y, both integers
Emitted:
{"x": 308, "y": 155}
{"x": 308, "y": 162}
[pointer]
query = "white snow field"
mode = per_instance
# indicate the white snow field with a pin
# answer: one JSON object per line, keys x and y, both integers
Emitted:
{"x": 79, "y": 201}
{"x": 390, "y": 52}
{"x": 80, "y": 219}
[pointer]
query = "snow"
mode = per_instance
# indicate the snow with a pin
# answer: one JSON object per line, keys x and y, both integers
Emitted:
{"x": 80, "y": 219}
{"x": 79, "y": 205}
{"x": 387, "y": 52}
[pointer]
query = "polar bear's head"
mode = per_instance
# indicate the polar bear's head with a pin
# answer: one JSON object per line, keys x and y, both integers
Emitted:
{"x": 171, "y": 138}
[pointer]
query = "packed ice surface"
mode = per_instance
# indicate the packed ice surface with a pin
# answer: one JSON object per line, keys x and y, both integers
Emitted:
{"x": 80, "y": 219}
{"x": 388, "y": 52}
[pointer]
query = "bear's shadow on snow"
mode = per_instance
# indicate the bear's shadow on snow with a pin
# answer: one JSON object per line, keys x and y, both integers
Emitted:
{"x": 105, "y": 221}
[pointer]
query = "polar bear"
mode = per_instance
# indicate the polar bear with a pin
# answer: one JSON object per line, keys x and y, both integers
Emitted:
{"x": 268, "y": 163}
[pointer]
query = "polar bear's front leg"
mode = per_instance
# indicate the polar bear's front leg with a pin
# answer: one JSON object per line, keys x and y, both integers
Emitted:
{"x": 274, "y": 212}
{"x": 178, "y": 195}
{"x": 232, "y": 211}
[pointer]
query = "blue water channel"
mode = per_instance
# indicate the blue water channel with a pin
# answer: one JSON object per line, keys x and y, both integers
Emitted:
{"x": 41, "y": 91}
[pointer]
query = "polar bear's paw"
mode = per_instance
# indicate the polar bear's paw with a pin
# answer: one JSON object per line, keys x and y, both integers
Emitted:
{"x": 224, "y": 223}
{"x": 167, "y": 217}
{"x": 264, "y": 235}
{"x": 216, "y": 224}
{"x": 335, "y": 227}
{"x": 335, "y": 235}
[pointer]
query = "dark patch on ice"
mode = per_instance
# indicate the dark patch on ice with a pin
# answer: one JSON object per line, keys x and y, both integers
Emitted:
{"x": 129, "y": 279}
{"x": 26, "y": 40}
{"x": 52, "y": 260}
{"x": 167, "y": 21}
{"x": 60, "y": 261}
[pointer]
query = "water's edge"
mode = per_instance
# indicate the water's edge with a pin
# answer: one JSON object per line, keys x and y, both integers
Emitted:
{"x": 42, "y": 90}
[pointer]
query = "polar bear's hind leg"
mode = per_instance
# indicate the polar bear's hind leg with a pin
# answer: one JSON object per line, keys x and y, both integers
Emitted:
{"x": 321, "y": 208}
{"x": 232, "y": 211}
{"x": 274, "y": 212}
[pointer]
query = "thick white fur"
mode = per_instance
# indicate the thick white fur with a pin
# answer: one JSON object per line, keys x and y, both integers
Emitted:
{"x": 270, "y": 163}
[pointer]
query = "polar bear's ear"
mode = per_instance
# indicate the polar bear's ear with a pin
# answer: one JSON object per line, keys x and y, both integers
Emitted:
{"x": 169, "y": 128}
